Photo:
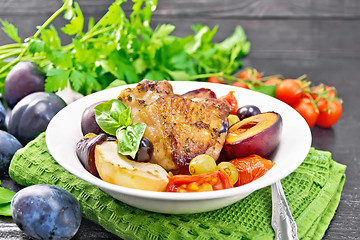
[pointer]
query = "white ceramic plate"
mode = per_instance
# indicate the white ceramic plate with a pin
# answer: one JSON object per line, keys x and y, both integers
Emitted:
{"x": 64, "y": 132}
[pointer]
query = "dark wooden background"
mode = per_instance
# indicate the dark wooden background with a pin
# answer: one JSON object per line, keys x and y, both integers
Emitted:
{"x": 290, "y": 37}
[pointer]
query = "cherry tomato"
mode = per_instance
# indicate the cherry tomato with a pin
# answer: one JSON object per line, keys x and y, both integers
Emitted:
{"x": 250, "y": 74}
{"x": 250, "y": 168}
{"x": 231, "y": 101}
{"x": 272, "y": 81}
{"x": 240, "y": 84}
{"x": 308, "y": 111}
{"x": 217, "y": 180}
{"x": 324, "y": 90}
{"x": 330, "y": 112}
{"x": 289, "y": 91}
{"x": 216, "y": 80}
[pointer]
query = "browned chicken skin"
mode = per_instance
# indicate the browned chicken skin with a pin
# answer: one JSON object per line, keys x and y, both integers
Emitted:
{"x": 180, "y": 127}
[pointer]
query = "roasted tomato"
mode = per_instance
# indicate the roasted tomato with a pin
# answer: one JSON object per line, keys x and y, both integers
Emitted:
{"x": 231, "y": 101}
{"x": 217, "y": 180}
{"x": 250, "y": 168}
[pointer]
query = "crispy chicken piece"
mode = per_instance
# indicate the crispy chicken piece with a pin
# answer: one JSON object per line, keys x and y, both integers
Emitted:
{"x": 144, "y": 93}
{"x": 179, "y": 127}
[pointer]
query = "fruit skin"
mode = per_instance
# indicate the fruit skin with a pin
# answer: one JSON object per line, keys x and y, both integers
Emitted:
{"x": 250, "y": 74}
{"x": 145, "y": 151}
{"x": 2, "y": 116}
{"x": 8, "y": 146}
{"x": 23, "y": 79}
{"x": 259, "y": 134}
{"x": 32, "y": 115}
{"x": 214, "y": 79}
{"x": 289, "y": 91}
{"x": 88, "y": 122}
{"x": 247, "y": 111}
{"x": 329, "y": 113}
{"x": 308, "y": 111}
{"x": 46, "y": 212}
{"x": 273, "y": 81}
{"x": 85, "y": 151}
{"x": 240, "y": 84}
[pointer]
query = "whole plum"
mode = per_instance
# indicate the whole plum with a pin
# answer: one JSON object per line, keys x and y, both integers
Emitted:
{"x": 32, "y": 114}
{"x": 8, "y": 146}
{"x": 24, "y": 78}
{"x": 46, "y": 212}
{"x": 88, "y": 122}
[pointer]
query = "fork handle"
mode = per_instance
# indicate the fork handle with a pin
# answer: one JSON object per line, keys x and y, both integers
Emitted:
{"x": 282, "y": 222}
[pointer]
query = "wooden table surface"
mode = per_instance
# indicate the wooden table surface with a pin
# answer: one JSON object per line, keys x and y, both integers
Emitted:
{"x": 319, "y": 38}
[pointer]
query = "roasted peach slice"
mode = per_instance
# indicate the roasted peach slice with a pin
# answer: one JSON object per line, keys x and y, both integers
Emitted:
{"x": 118, "y": 169}
{"x": 259, "y": 134}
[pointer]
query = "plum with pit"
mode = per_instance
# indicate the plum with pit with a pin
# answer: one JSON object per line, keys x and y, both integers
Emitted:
{"x": 259, "y": 134}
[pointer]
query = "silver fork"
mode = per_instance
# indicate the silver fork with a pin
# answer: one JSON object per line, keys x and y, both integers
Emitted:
{"x": 282, "y": 220}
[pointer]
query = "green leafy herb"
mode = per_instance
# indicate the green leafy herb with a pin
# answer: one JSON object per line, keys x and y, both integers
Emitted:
{"x": 115, "y": 119}
{"x": 121, "y": 48}
{"x": 5, "y": 199}
{"x": 129, "y": 139}
{"x": 11, "y": 31}
{"x": 5, "y": 209}
{"x": 266, "y": 89}
{"x": 112, "y": 115}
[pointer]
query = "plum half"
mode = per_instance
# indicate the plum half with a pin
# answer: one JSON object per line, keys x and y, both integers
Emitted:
{"x": 259, "y": 134}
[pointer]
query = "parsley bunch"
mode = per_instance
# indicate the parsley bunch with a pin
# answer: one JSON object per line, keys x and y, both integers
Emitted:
{"x": 121, "y": 49}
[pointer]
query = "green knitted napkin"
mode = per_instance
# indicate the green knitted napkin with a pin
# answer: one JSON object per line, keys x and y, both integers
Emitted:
{"x": 313, "y": 191}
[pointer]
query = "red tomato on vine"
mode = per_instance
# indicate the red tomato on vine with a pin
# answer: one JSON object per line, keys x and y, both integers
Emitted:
{"x": 330, "y": 112}
{"x": 308, "y": 111}
{"x": 240, "y": 84}
{"x": 273, "y": 81}
{"x": 215, "y": 80}
{"x": 250, "y": 74}
{"x": 289, "y": 91}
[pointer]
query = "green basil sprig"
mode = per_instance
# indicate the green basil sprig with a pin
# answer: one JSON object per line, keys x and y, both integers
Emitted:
{"x": 115, "y": 119}
{"x": 5, "y": 200}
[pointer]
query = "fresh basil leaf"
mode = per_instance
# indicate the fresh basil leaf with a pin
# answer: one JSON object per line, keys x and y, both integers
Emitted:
{"x": 5, "y": 209}
{"x": 129, "y": 139}
{"x": 5, "y": 195}
{"x": 125, "y": 118}
{"x": 108, "y": 115}
{"x": 266, "y": 89}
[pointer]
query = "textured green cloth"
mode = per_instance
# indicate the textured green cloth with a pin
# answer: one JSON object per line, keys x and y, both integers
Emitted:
{"x": 313, "y": 191}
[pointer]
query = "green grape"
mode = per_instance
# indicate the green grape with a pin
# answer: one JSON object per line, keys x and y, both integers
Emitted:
{"x": 233, "y": 119}
{"x": 230, "y": 170}
{"x": 202, "y": 164}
